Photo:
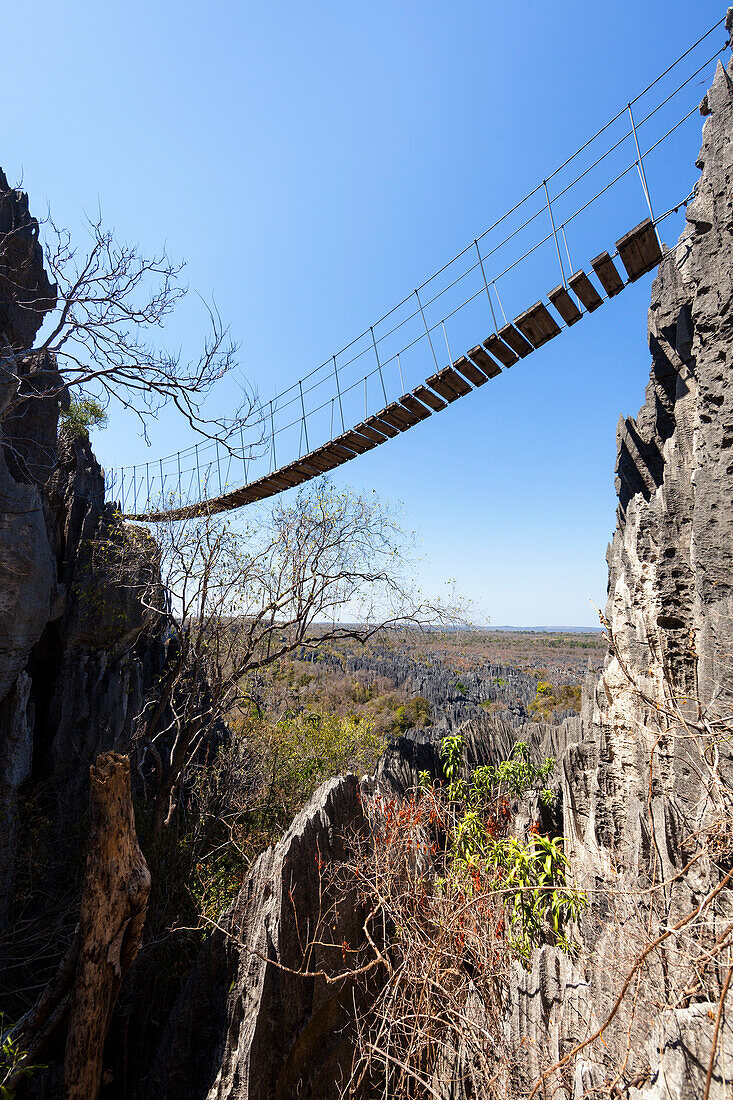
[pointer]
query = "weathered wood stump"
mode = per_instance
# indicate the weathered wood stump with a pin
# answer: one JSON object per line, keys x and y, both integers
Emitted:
{"x": 113, "y": 906}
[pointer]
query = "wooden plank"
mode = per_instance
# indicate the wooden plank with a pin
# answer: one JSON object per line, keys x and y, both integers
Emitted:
{"x": 483, "y": 360}
{"x": 443, "y": 387}
{"x": 437, "y": 404}
{"x": 537, "y": 325}
{"x": 298, "y": 470}
{"x": 583, "y": 288}
{"x": 448, "y": 384}
{"x": 265, "y": 487}
{"x": 404, "y": 415}
{"x": 565, "y": 305}
{"x": 371, "y": 433}
{"x": 515, "y": 340}
{"x": 639, "y": 250}
{"x": 470, "y": 371}
{"x": 267, "y": 483}
{"x": 281, "y": 482}
{"x": 242, "y": 496}
{"x": 382, "y": 426}
{"x": 500, "y": 351}
{"x": 650, "y": 247}
{"x": 414, "y": 406}
{"x": 295, "y": 474}
{"x": 607, "y": 274}
{"x": 289, "y": 478}
{"x": 320, "y": 464}
{"x": 336, "y": 450}
{"x": 454, "y": 379}
{"x": 398, "y": 417}
{"x": 322, "y": 459}
{"x": 354, "y": 442}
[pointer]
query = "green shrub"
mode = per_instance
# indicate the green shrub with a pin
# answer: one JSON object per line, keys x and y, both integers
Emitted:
{"x": 13, "y": 1064}
{"x": 83, "y": 414}
{"x": 482, "y": 856}
{"x": 550, "y": 699}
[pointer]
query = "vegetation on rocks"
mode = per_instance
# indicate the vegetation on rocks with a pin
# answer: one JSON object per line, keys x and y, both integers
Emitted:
{"x": 455, "y": 891}
{"x": 83, "y": 414}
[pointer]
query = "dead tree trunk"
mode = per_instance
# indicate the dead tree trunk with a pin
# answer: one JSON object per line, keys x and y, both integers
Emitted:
{"x": 113, "y": 906}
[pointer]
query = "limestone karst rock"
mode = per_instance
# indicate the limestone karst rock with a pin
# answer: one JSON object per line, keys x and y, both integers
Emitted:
{"x": 70, "y": 680}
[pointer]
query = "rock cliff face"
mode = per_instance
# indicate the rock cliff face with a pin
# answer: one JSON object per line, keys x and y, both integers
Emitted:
{"x": 72, "y": 664}
{"x": 636, "y": 789}
{"x": 634, "y": 794}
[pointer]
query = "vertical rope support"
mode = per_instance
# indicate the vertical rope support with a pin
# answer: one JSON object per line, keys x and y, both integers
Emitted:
{"x": 134, "y": 491}
{"x": 554, "y": 233}
{"x": 338, "y": 391}
{"x": 445, "y": 334}
{"x": 305, "y": 422}
{"x": 272, "y": 439}
{"x": 147, "y": 480}
{"x": 640, "y": 164}
{"x": 244, "y": 460}
{"x": 162, "y": 483}
{"x": 218, "y": 465}
{"x": 178, "y": 458}
{"x": 399, "y": 368}
{"x": 333, "y": 402}
{"x": 198, "y": 470}
{"x": 565, "y": 240}
{"x": 365, "y": 397}
{"x": 491, "y": 304}
{"x": 379, "y": 365}
{"x": 501, "y": 307}
{"x": 427, "y": 330}
{"x": 122, "y": 490}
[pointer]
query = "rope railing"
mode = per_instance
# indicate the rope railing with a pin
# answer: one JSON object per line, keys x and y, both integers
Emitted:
{"x": 382, "y": 364}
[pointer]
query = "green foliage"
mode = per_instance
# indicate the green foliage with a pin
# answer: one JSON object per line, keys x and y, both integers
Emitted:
{"x": 514, "y": 776}
{"x": 413, "y": 714}
{"x": 12, "y": 1067}
{"x": 82, "y": 415}
{"x": 530, "y": 874}
{"x": 539, "y": 902}
{"x": 550, "y": 699}
{"x": 302, "y": 751}
{"x": 451, "y": 752}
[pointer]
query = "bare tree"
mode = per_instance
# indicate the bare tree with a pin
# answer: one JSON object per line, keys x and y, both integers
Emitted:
{"x": 243, "y": 595}
{"x": 101, "y": 321}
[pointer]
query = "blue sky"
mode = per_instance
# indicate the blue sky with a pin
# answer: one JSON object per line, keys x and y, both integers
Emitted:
{"x": 312, "y": 163}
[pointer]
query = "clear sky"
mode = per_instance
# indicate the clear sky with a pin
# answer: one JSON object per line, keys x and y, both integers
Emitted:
{"x": 312, "y": 163}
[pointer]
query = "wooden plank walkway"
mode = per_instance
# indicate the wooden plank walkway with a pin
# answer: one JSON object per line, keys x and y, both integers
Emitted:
{"x": 639, "y": 252}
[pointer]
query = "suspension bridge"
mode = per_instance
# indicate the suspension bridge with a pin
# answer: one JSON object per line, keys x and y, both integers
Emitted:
{"x": 358, "y": 399}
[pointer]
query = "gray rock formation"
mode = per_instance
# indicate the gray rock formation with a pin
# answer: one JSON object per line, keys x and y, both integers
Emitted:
{"x": 454, "y": 697}
{"x": 73, "y": 656}
{"x": 246, "y": 1024}
{"x": 634, "y": 792}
